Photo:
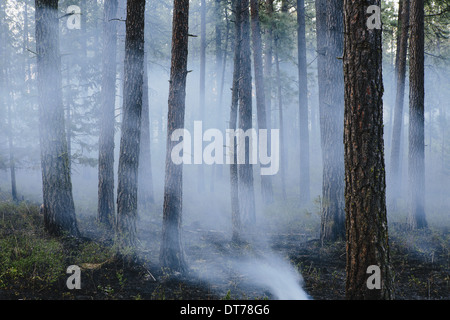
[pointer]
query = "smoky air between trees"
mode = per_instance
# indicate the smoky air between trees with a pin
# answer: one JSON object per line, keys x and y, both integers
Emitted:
{"x": 287, "y": 176}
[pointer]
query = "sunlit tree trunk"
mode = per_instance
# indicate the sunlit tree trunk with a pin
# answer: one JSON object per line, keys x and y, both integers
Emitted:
{"x": 59, "y": 208}
{"x": 365, "y": 186}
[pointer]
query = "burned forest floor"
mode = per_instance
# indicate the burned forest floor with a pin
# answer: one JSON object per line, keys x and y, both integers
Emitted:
{"x": 33, "y": 265}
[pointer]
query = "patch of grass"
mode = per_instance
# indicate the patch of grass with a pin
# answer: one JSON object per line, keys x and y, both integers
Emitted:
{"x": 32, "y": 262}
{"x": 27, "y": 258}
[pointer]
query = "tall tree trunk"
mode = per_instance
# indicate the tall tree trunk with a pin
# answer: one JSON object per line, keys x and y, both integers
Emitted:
{"x": 25, "y": 47}
{"x": 330, "y": 41}
{"x": 225, "y": 56}
{"x": 131, "y": 124}
{"x": 105, "y": 213}
{"x": 59, "y": 208}
{"x": 416, "y": 156}
{"x": 266, "y": 181}
{"x": 145, "y": 162}
{"x": 245, "y": 171}
{"x": 12, "y": 164}
{"x": 216, "y": 170}
{"x": 171, "y": 253}
{"x": 218, "y": 49}
{"x": 201, "y": 179}
{"x": 366, "y": 222}
{"x": 268, "y": 57}
{"x": 234, "y": 179}
{"x": 400, "y": 68}
{"x": 283, "y": 151}
{"x": 303, "y": 104}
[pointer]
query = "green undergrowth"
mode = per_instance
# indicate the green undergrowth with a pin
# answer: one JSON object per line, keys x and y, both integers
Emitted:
{"x": 32, "y": 261}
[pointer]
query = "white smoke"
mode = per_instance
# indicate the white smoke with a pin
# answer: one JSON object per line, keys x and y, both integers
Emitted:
{"x": 275, "y": 274}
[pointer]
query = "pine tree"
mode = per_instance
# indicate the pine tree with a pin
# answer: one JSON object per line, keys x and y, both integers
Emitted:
{"x": 266, "y": 181}
{"x": 400, "y": 68}
{"x": 106, "y": 206}
{"x": 59, "y": 208}
{"x": 416, "y": 156}
{"x": 234, "y": 179}
{"x": 331, "y": 108}
{"x": 303, "y": 104}
{"x": 131, "y": 124}
{"x": 171, "y": 252}
{"x": 245, "y": 171}
{"x": 365, "y": 186}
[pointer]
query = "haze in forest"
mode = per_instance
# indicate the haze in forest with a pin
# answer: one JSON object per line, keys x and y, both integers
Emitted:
{"x": 206, "y": 188}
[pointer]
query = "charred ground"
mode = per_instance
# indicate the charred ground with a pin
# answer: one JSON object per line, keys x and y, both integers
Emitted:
{"x": 33, "y": 265}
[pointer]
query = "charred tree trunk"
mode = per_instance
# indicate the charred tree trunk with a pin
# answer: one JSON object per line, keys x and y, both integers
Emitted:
{"x": 365, "y": 199}
{"x": 402, "y": 47}
{"x": 235, "y": 216}
{"x": 330, "y": 41}
{"x": 245, "y": 171}
{"x": 105, "y": 214}
{"x": 131, "y": 124}
{"x": 303, "y": 104}
{"x": 59, "y": 208}
{"x": 266, "y": 181}
{"x": 171, "y": 253}
{"x": 416, "y": 156}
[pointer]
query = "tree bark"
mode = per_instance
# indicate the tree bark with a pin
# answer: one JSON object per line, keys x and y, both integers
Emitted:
{"x": 365, "y": 198}
{"x": 171, "y": 253}
{"x": 283, "y": 151}
{"x": 12, "y": 161}
{"x": 402, "y": 47}
{"x": 145, "y": 162}
{"x": 59, "y": 208}
{"x": 330, "y": 41}
{"x": 266, "y": 181}
{"x": 234, "y": 192}
{"x": 245, "y": 171}
{"x": 225, "y": 56}
{"x": 416, "y": 156}
{"x": 131, "y": 124}
{"x": 268, "y": 57}
{"x": 201, "y": 178}
{"x": 303, "y": 104}
{"x": 105, "y": 213}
